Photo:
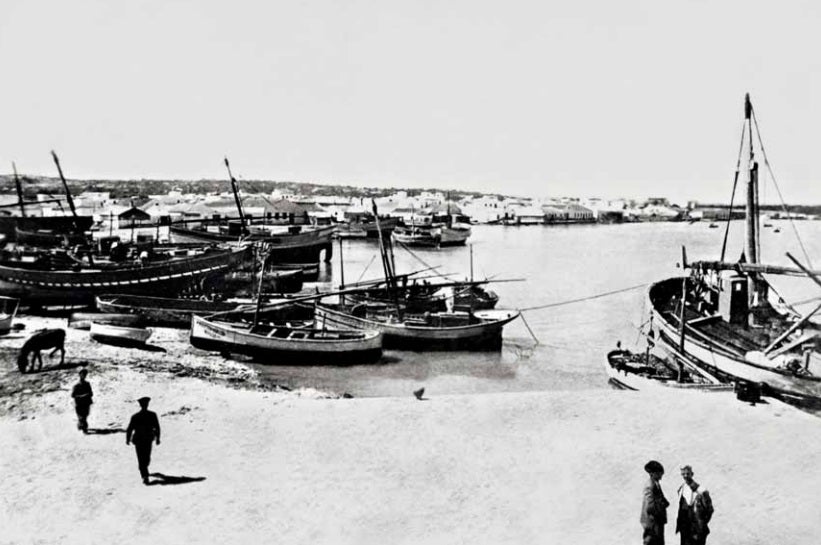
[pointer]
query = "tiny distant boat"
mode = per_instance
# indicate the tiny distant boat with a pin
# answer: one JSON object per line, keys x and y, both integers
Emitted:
{"x": 777, "y": 230}
{"x": 83, "y": 320}
{"x": 276, "y": 344}
{"x": 631, "y": 371}
{"x": 159, "y": 311}
{"x": 713, "y": 226}
{"x": 118, "y": 335}
{"x": 8, "y": 309}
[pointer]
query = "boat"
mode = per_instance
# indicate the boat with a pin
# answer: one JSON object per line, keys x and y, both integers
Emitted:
{"x": 727, "y": 318}
{"x": 476, "y": 331}
{"x": 285, "y": 344}
{"x": 242, "y": 283}
{"x": 361, "y": 224}
{"x": 161, "y": 311}
{"x": 119, "y": 335}
{"x": 8, "y": 310}
{"x": 635, "y": 371}
{"x": 421, "y": 296}
{"x": 83, "y": 320}
{"x": 713, "y": 226}
{"x": 38, "y": 282}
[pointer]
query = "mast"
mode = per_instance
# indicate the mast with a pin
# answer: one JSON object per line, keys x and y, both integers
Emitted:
{"x": 235, "y": 190}
{"x": 19, "y": 190}
{"x": 65, "y": 186}
{"x": 751, "y": 215}
{"x": 387, "y": 265}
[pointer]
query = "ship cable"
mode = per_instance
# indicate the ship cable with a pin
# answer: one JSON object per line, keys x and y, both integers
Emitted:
{"x": 535, "y": 338}
{"x": 732, "y": 195}
{"x": 778, "y": 190}
{"x": 583, "y": 299}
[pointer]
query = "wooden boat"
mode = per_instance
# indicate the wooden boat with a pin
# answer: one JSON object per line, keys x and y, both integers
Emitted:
{"x": 162, "y": 311}
{"x": 289, "y": 244}
{"x": 8, "y": 310}
{"x": 119, "y": 335}
{"x": 633, "y": 371}
{"x": 726, "y": 317}
{"x": 243, "y": 283}
{"x": 37, "y": 283}
{"x": 363, "y": 225}
{"x": 281, "y": 344}
{"x": 418, "y": 297}
{"x": 10, "y": 226}
{"x": 477, "y": 331}
{"x": 434, "y": 235}
{"x": 83, "y": 320}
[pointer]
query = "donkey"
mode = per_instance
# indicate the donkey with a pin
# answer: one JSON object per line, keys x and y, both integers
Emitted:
{"x": 42, "y": 340}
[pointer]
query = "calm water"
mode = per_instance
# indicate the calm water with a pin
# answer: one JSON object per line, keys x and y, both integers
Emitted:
{"x": 559, "y": 264}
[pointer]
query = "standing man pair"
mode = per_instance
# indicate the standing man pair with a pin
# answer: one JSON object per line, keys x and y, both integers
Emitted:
{"x": 695, "y": 508}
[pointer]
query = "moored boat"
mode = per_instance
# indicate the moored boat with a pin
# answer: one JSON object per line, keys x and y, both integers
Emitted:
{"x": 282, "y": 344}
{"x": 162, "y": 311}
{"x": 632, "y": 371}
{"x": 119, "y": 335}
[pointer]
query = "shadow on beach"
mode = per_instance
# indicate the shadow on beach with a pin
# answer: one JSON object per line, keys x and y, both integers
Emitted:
{"x": 49, "y": 369}
{"x": 163, "y": 480}
{"x": 104, "y": 431}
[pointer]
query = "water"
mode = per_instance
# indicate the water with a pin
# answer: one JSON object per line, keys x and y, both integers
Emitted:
{"x": 559, "y": 264}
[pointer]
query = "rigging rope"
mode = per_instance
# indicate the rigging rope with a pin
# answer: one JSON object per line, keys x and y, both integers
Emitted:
{"x": 373, "y": 257}
{"x": 583, "y": 299}
{"x": 419, "y": 259}
{"x": 778, "y": 190}
{"x": 732, "y": 196}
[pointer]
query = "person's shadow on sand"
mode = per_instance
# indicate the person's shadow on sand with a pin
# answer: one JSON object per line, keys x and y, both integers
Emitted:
{"x": 163, "y": 480}
{"x": 104, "y": 431}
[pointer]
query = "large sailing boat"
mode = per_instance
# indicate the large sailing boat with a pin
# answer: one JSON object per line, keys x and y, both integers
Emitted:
{"x": 727, "y": 319}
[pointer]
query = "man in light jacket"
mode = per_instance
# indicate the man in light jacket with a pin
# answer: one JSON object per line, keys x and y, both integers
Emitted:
{"x": 695, "y": 509}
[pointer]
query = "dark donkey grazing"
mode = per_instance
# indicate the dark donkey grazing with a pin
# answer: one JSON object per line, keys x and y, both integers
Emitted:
{"x": 42, "y": 340}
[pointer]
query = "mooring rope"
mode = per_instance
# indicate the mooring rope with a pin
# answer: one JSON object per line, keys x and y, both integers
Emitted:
{"x": 583, "y": 299}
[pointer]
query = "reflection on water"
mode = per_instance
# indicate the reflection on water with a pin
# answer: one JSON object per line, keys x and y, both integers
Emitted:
{"x": 559, "y": 264}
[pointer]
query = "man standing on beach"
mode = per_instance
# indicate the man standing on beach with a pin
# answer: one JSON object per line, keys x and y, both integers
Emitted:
{"x": 695, "y": 509}
{"x": 145, "y": 428}
{"x": 654, "y": 506}
{"x": 83, "y": 398}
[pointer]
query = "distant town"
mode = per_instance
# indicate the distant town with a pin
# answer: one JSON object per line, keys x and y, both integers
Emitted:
{"x": 146, "y": 203}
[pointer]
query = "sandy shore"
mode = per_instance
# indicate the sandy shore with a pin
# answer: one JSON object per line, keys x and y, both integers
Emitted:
{"x": 284, "y": 467}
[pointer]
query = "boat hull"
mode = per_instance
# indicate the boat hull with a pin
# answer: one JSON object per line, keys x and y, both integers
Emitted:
{"x": 623, "y": 377}
{"x": 161, "y": 311}
{"x": 216, "y": 336}
{"x": 484, "y": 336}
{"x": 119, "y": 336}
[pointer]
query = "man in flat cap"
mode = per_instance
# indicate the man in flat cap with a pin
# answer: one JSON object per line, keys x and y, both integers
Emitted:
{"x": 654, "y": 506}
{"x": 83, "y": 398}
{"x": 144, "y": 428}
{"x": 695, "y": 509}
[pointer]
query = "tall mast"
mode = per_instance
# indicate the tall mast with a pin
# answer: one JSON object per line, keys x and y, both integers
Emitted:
{"x": 751, "y": 242}
{"x": 235, "y": 189}
{"x": 19, "y": 190}
{"x": 65, "y": 186}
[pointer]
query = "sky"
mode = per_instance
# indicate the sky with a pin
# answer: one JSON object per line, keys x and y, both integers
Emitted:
{"x": 541, "y": 98}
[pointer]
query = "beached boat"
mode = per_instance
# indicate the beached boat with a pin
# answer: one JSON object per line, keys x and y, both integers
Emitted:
{"x": 83, "y": 320}
{"x": 119, "y": 335}
{"x": 282, "y": 344}
{"x": 480, "y": 331}
{"x": 726, "y": 317}
{"x": 162, "y": 311}
{"x": 38, "y": 283}
{"x": 8, "y": 310}
{"x": 632, "y": 371}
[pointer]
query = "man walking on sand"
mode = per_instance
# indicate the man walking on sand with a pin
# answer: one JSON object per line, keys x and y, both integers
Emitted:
{"x": 83, "y": 398}
{"x": 654, "y": 506}
{"x": 144, "y": 427}
{"x": 695, "y": 509}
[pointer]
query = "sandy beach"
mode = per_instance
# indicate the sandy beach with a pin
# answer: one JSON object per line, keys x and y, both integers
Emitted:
{"x": 275, "y": 466}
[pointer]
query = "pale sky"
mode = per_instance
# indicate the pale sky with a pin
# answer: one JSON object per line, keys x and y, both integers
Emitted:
{"x": 608, "y": 98}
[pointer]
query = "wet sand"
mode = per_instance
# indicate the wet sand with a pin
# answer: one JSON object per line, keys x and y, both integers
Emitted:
{"x": 245, "y": 465}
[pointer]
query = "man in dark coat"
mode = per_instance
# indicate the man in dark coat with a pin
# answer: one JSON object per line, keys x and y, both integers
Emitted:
{"x": 695, "y": 509}
{"x": 654, "y": 506}
{"x": 144, "y": 427}
{"x": 83, "y": 398}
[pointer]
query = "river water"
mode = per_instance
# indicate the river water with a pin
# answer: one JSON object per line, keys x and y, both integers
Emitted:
{"x": 558, "y": 264}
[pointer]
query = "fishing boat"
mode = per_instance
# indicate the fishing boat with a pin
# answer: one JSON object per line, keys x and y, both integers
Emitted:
{"x": 37, "y": 282}
{"x": 162, "y": 311}
{"x": 478, "y": 331}
{"x": 361, "y": 224}
{"x": 119, "y": 335}
{"x": 423, "y": 296}
{"x": 83, "y": 320}
{"x": 8, "y": 310}
{"x": 285, "y": 344}
{"x": 727, "y": 317}
{"x": 635, "y": 371}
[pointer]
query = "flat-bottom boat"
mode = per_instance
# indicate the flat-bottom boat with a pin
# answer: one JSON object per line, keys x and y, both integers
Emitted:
{"x": 162, "y": 311}
{"x": 276, "y": 344}
{"x": 83, "y": 320}
{"x": 119, "y": 335}
{"x": 631, "y": 371}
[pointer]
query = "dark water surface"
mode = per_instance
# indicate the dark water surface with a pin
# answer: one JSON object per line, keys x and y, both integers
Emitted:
{"x": 559, "y": 264}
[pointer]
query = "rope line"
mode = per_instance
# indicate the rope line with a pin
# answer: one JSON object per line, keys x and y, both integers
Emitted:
{"x": 583, "y": 299}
